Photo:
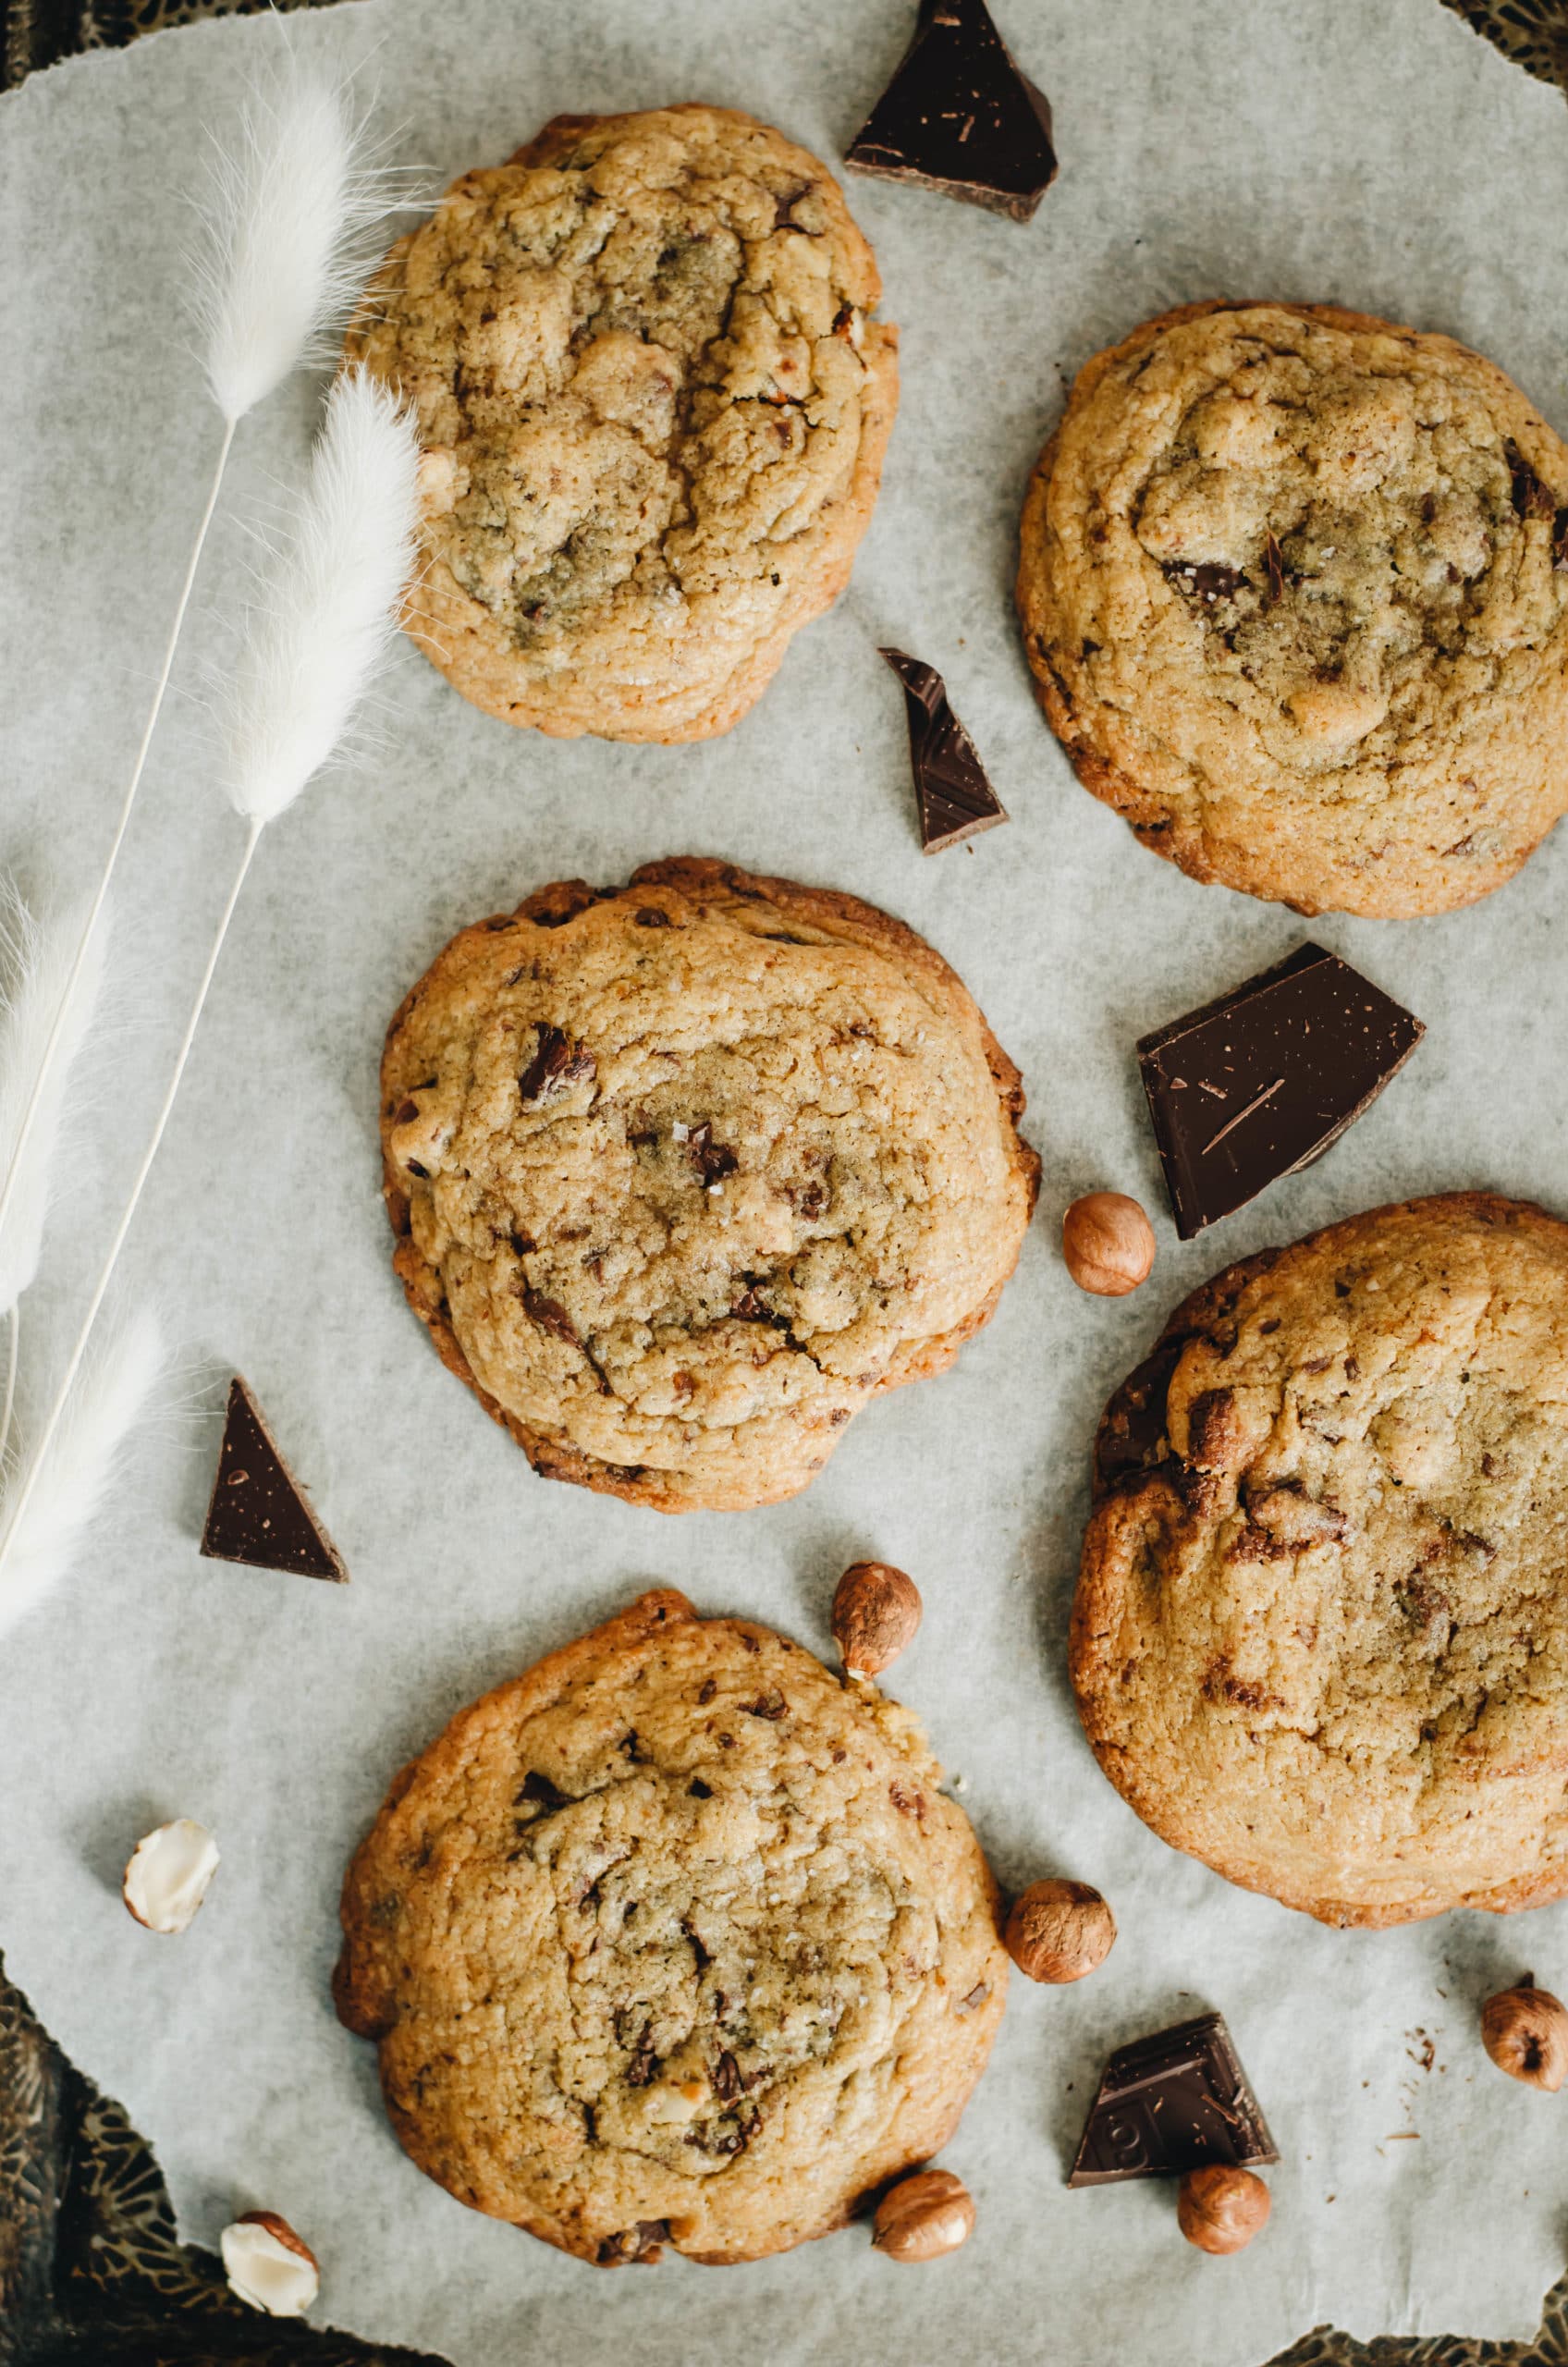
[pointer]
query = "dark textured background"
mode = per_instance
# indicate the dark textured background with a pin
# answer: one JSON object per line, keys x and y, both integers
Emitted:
{"x": 91, "y": 2272}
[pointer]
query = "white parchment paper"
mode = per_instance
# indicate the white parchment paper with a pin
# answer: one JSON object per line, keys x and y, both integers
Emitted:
{"x": 1374, "y": 152}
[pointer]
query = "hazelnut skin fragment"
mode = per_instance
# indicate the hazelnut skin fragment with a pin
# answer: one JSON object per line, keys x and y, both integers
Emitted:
{"x": 1220, "y": 2209}
{"x": 875, "y": 1616}
{"x": 923, "y": 2217}
{"x": 1526, "y": 2032}
{"x": 1108, "y": 1243}
{"x": 1059, "y": 1931}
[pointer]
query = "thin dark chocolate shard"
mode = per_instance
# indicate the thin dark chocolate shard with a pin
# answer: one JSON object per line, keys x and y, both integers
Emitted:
{"x": 712, "y": 1160}
{"x": 1208, "y": 581}
{"x": 638, "y": 2246}
{"x": 1531, "y": 495}
{"x": 259, "y": 1514}
{"x": 1170, "y": 2103}
{"x": 1262, "y": 1082}
{"x": 551, "y": 1316}
{"x": 557, "y": 1065}
{"x": 956, "y": 800}
{"x": 961, "y": 117}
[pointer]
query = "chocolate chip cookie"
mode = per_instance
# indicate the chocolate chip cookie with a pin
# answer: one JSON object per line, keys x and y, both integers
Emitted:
{"x": 653, "y": 406}
{"x": 1321, "y": 1638}
{"x": 683, "y": 1172}
{"x": 673, "y": 1939}
{"x": 1295, "y": 588}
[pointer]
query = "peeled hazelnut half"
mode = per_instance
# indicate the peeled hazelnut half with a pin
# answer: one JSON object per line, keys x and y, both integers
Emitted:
{"x": 168, "y": 1874}
{"x": 1221, "y": 2208}
{"x": 268, "y": 2266}
{"x": 1059, "y": 1931}
{"x": 875, "y": 1616}
{"x": 1526, "y": 2032}
{"x": 1107, "y": 1244}
{"x": 923, "y": 2216}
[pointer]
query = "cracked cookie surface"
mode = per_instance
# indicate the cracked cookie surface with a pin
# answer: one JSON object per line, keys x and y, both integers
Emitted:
{"x": 653, "y": 410}
{"x": 673, "y": 1939}
{"x": 1321, "y": 1638}
{"x": 685, "y": 1172}
{"x": 1293, "y": 584}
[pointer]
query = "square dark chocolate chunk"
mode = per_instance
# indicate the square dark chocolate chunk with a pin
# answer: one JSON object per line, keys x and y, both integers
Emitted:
{"x": 1259, "y": 1084}
{"x": 959, "y": 116}
{"x": 954, "y": 796}
{"x": 1171, "y": 2102}
{"x": 257, "y": 1514}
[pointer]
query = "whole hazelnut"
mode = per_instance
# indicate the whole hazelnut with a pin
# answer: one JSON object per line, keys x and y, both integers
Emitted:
{"x": 1108, "y": 1243}
{"x": 875, "y": 1616}
{"x": 1057, "y": 1931}
{"x": 923, "y": 2216}
{"x": 1526, "y": 2032}
{"x": 1220, "y": 2209}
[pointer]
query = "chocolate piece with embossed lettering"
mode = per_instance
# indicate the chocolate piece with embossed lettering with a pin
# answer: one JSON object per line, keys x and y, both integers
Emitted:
{"x": 1170, "y": 2103}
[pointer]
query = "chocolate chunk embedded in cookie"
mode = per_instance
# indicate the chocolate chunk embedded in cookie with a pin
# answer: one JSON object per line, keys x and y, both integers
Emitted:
{"x": 673, "y": 1939}
{"x": 683, "y": 1172}
{"x": 653, "y": 407}
{"x": 1321, "y": 1638}
{"x": 1294, "y": 587}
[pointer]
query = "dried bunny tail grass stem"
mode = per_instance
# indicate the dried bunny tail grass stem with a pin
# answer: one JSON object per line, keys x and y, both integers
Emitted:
{"x": 287, "y": 221}
{"x": 44, "y": 980}
{"x": 72, "y": 1472}
{"x": 322, "y": 624}
{"x": 284, "y": 226}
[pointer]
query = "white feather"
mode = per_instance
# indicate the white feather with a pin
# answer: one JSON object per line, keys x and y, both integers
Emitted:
{"x": 286, "y": 230}
{"x": 79, "y": 1464}
{"x": 40, "y": 955}
{"x": 327, "y": 605}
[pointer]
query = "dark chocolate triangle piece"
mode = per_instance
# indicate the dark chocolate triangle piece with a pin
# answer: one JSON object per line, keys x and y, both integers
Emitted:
{"x": 956, "y": 800}
{"x": 1259, "y": 1084}
{"x": 257, "y": 1514}
{"x": 1171, "y": 2102}
{"x": 959, "y": 116}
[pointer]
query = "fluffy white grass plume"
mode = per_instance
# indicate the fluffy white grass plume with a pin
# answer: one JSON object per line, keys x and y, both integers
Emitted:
{"x": 74, "y": 1473}
{"x": 323, "y": 620}
{"x": 326, "y": 605}
{"x": 291, "y": 203}
{"x": 40, "y": 955}
{"x": 292, "y": 199}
